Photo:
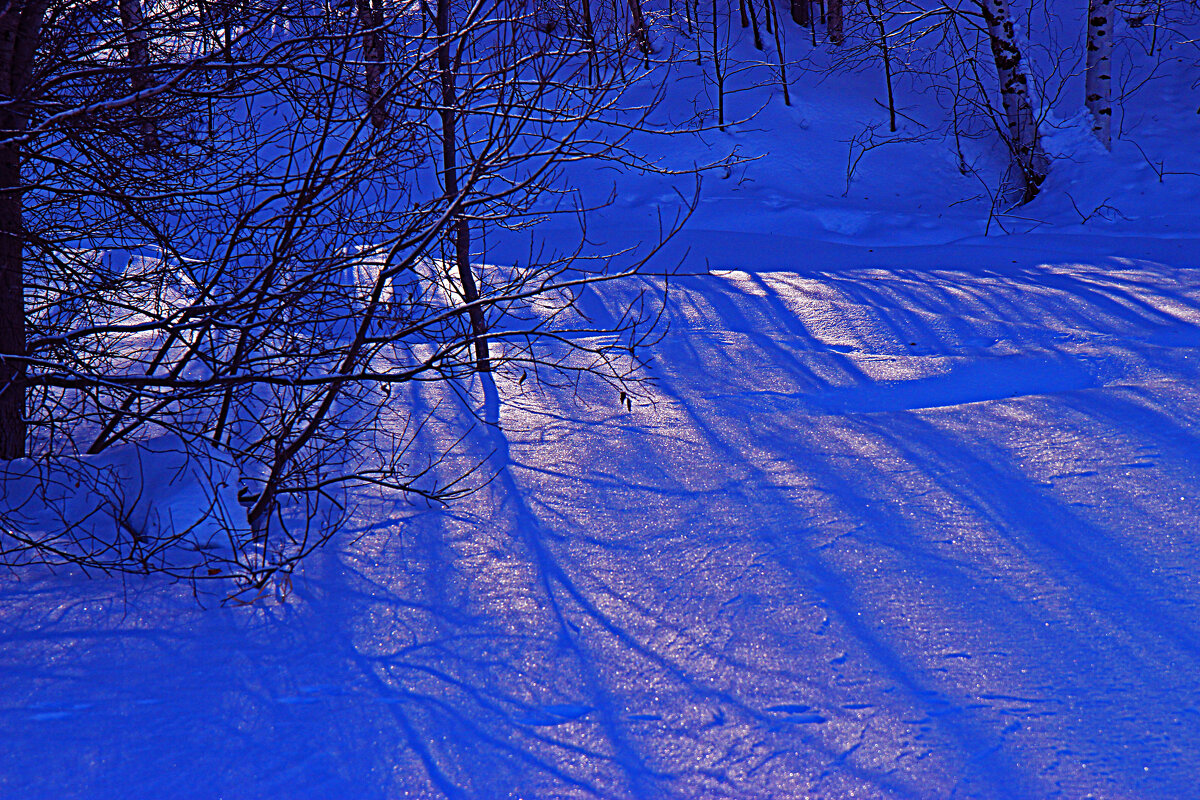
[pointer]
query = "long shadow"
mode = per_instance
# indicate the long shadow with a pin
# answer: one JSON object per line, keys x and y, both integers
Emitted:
{"x": 739, "y": 594}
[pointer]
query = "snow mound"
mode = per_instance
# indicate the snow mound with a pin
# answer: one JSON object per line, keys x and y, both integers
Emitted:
{"x": 133, "y": 503}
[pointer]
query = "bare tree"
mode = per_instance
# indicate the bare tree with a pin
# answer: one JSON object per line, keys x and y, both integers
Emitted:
{"x": 268, "y": 287}
{"x": 878, "y": 15}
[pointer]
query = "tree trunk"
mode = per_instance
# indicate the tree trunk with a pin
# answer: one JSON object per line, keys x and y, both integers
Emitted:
{"x": 370, "y": 17}
{"x": 1099, "y": 68}
{"x": 639, "y": 27}
{"x": 12, "y": 303}
{"x": 1023, "y": 138}
{"x": 758, "y": 42}
{"x": 134, "y": 24}
{"x": 885, "y": 52}
{"x": 833, "y": 21}
{"x": 459, "y": 228}
{"x": 20, "y": 29}
{"x": 717, "y": 68}
{"x": 589, "y": 28}
{"x": 227, "y": 44}
{"x": 589, "y": 32}
{"x": 783, "y": 81}
{"x": 800, "y": 12}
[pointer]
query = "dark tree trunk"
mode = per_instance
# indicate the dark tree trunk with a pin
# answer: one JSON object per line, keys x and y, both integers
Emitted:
{"x": 12, "y": 304}
{"x": 370, "y": 18}
{"x": 772, "y": 12}
{"x": 639, "y": 27}
{"x": 758, "y": 42}
{"x": 833, "y": 21}
{"x": 800, "y": 12}
{"x": 589, "y": 28}
{"x": 20, "y": 28}
{"x": 138, "y": 58}
{"x": 460, "y": 229}
{"x": 885, "y": 52}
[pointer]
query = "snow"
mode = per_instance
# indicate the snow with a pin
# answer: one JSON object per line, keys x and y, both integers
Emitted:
{"x": 162, "y": 499}
{"x": 909, "y": 512}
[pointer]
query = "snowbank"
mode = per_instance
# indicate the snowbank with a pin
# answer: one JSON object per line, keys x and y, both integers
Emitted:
{"x": 146, "y": 502}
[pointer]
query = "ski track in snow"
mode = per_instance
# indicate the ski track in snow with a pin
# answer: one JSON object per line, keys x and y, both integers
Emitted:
{"x": 885, "y": 533}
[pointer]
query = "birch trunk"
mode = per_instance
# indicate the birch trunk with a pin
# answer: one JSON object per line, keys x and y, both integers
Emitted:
{"x": 1028, "y": 156}
{"x": 1099, "y": 69}
{"x": 370, "y": 18}
{"x": 134, "y": 24}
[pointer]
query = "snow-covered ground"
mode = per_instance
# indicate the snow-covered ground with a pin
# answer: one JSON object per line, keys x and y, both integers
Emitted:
{"x": 912, "y": 515}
